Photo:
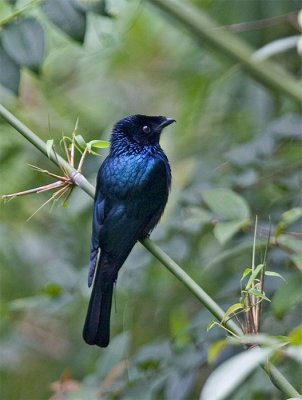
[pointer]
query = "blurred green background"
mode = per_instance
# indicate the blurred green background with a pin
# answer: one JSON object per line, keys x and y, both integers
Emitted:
{"x": 231, "y": 132}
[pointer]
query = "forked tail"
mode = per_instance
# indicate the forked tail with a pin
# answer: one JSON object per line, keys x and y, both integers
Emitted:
{"x": 97, "y": 324}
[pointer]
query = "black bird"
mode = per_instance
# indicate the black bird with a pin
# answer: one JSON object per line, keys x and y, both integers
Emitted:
{"x": 132, "y": 190}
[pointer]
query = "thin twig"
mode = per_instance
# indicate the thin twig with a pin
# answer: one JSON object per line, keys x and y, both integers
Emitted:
{"x": 72, "y": 154}
{"x": 253, "y": 299}
{"x": 51, "y": 186}
{"x": 39, "y": 189}
{"x": 262, "y": 23}
{"x": 44, "y": 204}
{"x": 262, "y": 276}
{"x": 203, "y": 29}
{"x": 82, "y": 159}
{"x": 44, "y": 171}
{"x": 65, "y": 148}
{"x": 19, "y": 12}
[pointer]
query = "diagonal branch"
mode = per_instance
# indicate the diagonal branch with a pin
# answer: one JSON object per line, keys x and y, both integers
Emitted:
{"x": 275, "y": 375}
{"x": 206, "y": 32}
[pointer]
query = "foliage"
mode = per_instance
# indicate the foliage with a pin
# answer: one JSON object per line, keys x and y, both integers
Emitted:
{"x": 235, "y": 153}
{"x": 22, "y": 41}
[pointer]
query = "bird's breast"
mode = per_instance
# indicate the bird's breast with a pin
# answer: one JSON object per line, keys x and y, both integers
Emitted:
{"x": 129, "y": 174}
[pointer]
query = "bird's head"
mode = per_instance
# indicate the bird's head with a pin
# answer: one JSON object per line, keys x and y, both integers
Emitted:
{"x": 141, "y": 129}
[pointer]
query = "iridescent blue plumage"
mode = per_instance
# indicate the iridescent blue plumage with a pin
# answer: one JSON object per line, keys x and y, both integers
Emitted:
{"x": 133, "y": 185}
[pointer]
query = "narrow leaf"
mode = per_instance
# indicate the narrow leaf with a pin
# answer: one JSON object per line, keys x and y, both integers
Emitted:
{"x": 228, "y": 376}
{"x": 49, "y": 146}
{"x": 297, "y": 260}
{"x": 211, "y": 325}
{"x": 289, "y": 217}
{"x": 254, "y": 243}
{"x": 261, "y": 339}
{"x": 272, "y": 273}
{"x": 99, "y": 144}
{"x": 246, "y": 272}
{"x": 231, "y": 310}
{"x": 258, "y": 294}
{"x": 290, "y": 243}
{"x": 80, "y": 141}
{"x": 294, "y": 352}
{"x": 254, "y": 275}
{"x": 215, "y": 349}
{"x": 295, "y": 336}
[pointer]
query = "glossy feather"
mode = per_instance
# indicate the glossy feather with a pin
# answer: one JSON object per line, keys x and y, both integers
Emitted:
{"x": 133, "y": 185}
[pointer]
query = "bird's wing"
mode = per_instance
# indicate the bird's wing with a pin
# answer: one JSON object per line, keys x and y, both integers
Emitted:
{"x": 97, "y": 222}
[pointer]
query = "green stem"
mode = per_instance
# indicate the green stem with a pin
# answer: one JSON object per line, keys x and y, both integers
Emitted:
{"x": 194, "y": 288}
{"x": 19, "y": 12}
{"x": 205, "y": 31}
{"x": 277, "y": 378}
{"x": 280, "y": 381}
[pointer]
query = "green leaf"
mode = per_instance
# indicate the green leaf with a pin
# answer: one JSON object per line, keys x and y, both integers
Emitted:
{"x": 297, "y": 260}
{"x": 178, "y": 323}
{"x": 68, "y": 16}
{"x": 289, "y": 217}
{"x": 290, "y": 243}
{"x": 24, "y": 41}
{"x": 53, "y": 290}
{"x": 98, "y": 144}
{"x": 246, "y": 272}
{"x": 10, "y": 72}
{"x": 254, "y": 275}
{"x": 229, "y": 375}
{"x": 257, "y": 293}
{"x": 224, "y": 231}
{"x": 28, "y": 303}
{"x": 261, "y": 339}
{"x": 272, "y": 273}
{"x": 294, "y": 398}
{"x": 294, "y": 352}
{"x": 80, "y": 141}
{"x": 226, "y": 204}
{"x": 295, "y": 336}
{"x": 231, "y": 310}
{"x": 198, "y": 214}
{"x": 49, "y": 146}
{"x": 212, "y": 324}
{"x": 215, "y": 349}
{"x": 287, "y": 296}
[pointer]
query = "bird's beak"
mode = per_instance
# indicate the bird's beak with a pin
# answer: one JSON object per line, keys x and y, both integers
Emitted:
{"x": 166, "y": 122}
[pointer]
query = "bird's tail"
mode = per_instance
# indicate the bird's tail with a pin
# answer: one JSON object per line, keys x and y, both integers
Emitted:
{"x": 97, "y": 324}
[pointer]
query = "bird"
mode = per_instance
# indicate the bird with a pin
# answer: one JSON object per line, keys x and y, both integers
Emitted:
{"x": 132, "y": 189}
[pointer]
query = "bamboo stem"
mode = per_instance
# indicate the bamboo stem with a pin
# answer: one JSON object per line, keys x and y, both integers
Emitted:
{"x": 205, "y": 32}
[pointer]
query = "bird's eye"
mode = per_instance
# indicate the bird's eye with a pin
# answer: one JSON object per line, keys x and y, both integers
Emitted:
{"x": 146, "y": 129}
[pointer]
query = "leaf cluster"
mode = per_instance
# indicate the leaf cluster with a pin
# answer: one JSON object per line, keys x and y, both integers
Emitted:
{"x": 23, "y": 38}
